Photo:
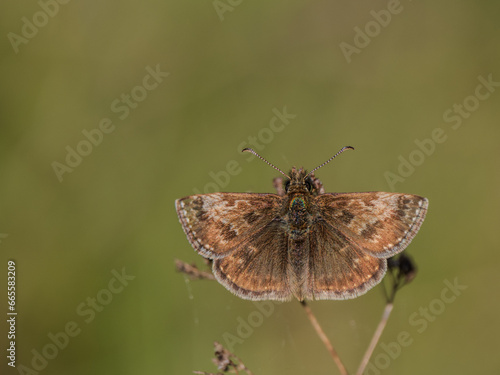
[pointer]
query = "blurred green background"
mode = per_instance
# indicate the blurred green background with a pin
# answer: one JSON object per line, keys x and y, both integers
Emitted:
{"x": 232, "y": 65}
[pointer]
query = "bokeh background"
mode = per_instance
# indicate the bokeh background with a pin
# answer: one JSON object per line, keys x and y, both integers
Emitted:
{"x": 231, "y": 66}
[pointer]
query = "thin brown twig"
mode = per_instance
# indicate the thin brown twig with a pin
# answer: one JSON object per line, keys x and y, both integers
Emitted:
{"x": 324, "y": 338}
{"x": 241, "y": 366}
{"x": 402, "y": 270}
{"x": 192, "y": 271}
{"x": 376, "y": 337}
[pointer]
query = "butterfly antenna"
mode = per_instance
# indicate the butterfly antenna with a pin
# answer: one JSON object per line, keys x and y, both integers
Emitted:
{"x": 264, "y": 160}
{"x": 329, "y": 160}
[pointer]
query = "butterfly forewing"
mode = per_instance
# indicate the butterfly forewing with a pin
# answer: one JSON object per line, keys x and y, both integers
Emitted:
{"x": 382, "y": 224}
{"x": 216, "y": 224}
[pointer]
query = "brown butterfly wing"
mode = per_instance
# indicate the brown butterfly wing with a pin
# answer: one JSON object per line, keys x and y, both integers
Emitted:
{"x": 382, "y": 224}
{"x": 351, "y": 236}
{"x": 257, "y": 269}
{"x": 245, "y": 236}
{"x": 338, "y": 267}
{"x": 217, "y": 224}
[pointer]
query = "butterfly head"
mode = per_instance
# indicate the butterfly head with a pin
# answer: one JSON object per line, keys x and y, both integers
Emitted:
{"x": 301, "y": 182}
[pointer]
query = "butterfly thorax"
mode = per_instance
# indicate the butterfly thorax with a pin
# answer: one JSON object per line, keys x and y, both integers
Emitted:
{"x": 298, "y": 194}
{"x": 299, "y": 218}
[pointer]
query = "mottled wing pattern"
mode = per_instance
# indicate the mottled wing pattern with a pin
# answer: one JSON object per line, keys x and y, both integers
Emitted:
{"x": 338, "y": 267}
{"x": 383, "y": 224}
{"x": 257, "y": 270}
{"x": 216, "y": 224}
{"x": 352, "y": 234}
{"x": 245, "y": 236}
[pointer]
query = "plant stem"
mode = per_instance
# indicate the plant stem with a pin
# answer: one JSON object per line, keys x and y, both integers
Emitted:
{"x": 324, "y": 338}
{"x": 375, "y": 338}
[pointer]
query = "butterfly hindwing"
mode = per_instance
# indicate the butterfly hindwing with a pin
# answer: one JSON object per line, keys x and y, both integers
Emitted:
{"x": 258, "y": 268}
{"x": 338, "y": 268}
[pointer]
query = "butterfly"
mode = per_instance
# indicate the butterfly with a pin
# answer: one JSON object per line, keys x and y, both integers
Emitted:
{"x": 300, "y": 242}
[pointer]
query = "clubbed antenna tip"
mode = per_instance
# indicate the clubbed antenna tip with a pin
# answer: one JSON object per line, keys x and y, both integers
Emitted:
{"x": 329, "y": 160}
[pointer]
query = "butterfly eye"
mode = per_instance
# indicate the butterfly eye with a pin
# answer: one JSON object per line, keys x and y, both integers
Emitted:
{"x": 287, "y": 185}
{"x": 308, "y": 185}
